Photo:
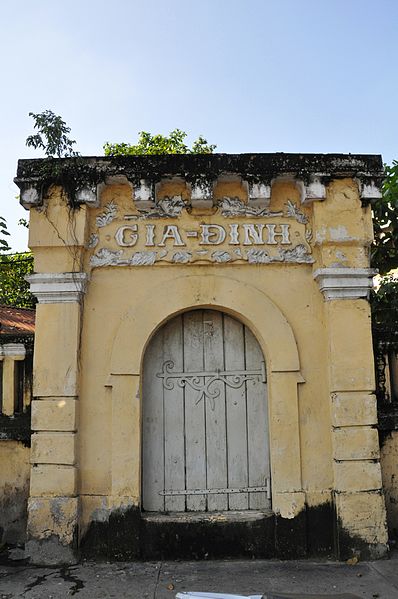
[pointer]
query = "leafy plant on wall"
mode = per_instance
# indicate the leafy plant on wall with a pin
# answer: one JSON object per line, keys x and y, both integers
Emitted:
{"x": 52, "y": 135}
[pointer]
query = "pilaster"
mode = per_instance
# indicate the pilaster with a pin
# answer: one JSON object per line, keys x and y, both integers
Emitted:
{"x": 359, "y": 502}
{"x": 344, "y": 233}
{"x": 53, "y": 508}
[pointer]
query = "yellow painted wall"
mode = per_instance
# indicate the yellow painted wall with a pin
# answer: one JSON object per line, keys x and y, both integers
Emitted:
{"x": 102, "y": 319}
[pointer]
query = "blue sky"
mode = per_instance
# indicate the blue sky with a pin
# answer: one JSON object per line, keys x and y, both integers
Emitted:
{"x": 250, "y": 75}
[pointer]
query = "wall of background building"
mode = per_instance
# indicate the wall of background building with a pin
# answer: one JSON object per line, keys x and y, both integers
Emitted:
{"x": 14, "y": 491}
{"x": 15, "y": 399}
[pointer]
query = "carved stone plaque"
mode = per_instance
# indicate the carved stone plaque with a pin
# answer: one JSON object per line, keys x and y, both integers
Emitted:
{"x": 167, "y": 233}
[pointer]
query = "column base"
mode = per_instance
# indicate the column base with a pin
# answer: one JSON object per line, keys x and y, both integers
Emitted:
{"x": 361, "y": 527}
{"x": 52, "y": 530}
{"x": 50, "y": 552}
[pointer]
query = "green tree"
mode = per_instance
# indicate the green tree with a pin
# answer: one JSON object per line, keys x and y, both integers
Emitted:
{"x": 384, "y": 304}
{"x": 14, "y": 290}
{"x": 52, "y": 135}
{"x": 4, "y": 247}
{"x": 384, "y": 254}
{"x": 149, "y": 144}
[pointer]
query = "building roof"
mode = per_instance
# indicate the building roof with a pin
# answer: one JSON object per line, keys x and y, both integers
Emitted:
{"x": 14, "y": 321}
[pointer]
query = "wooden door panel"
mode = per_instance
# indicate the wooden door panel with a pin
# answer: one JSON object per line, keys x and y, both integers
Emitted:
{"x": 195, "y": 421}
{"x": 153, "y": 447}
{"x": 205, "y": 417}
{"x": 257, "y": 423}
{"x": 216, "y": 439}
{"x": 174, "y": 417}
{"x": 236, "y": 415}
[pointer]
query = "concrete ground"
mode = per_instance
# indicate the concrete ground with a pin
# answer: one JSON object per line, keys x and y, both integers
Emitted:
{"x": 162, "y": 580}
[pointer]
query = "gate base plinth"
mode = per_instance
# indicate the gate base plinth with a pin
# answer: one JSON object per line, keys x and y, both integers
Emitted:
{"x": 50, "y": 552}
{"x": 132, "y": 535}
{"x": 208, "y": 535}
{"x": 52, "y": 530}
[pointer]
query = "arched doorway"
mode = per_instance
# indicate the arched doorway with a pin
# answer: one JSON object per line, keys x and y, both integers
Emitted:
{"x": 205, "y": 417}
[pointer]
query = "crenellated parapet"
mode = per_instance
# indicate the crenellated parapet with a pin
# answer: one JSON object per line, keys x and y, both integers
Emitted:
{"x": 84, "y": 178}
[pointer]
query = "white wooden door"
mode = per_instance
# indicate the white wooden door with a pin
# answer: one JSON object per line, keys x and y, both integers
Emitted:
{"x": 205, "y": 417}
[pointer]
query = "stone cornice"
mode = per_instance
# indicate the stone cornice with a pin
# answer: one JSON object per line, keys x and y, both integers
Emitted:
{"x": 344, "y": 283}
{"x": 202, "y": 165}
{"x": 200, "y": 171}
{"x": 53, "y": 288}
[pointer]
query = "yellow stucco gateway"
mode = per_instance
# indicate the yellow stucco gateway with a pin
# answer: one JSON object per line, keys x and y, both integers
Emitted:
{"x": 203, "y": 366}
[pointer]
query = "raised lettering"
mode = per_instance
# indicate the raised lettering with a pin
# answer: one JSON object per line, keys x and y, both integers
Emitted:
{"x": 128, "y": 230}
{"x": 284, "y": 233}
{"x": 171, "y": 232}
{"x": 253, "y": 234}
{"x": 234, "y": 234}
{"x": 150, "y": 235}
{"x": 212, "y": 234}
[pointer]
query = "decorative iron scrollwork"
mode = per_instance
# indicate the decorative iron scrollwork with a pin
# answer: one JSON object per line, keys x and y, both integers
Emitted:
{"x": 203, "y": 381}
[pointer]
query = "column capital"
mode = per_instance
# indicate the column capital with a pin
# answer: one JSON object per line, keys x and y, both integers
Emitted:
{"x": 58, "y": 288}
{"x": 16, "y": 351}
{"x": 344, "y": 283}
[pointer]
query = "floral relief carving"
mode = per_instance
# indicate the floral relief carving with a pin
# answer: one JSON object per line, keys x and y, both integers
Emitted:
{"x": 297, "y": 254}
{"x": 109, "y": 214}
{"x": 164, "y": 208}
{"x": 182, "y": 257}
{"x": 231, "y": 207}
{"x": 294, "y": 212}
{"x": 255, "y": 256}
{"x": 143, "y": 258}
{"x": 93, "y": 241}
{"x": 105, "y": 257}
{"x": 221, "y": 256}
